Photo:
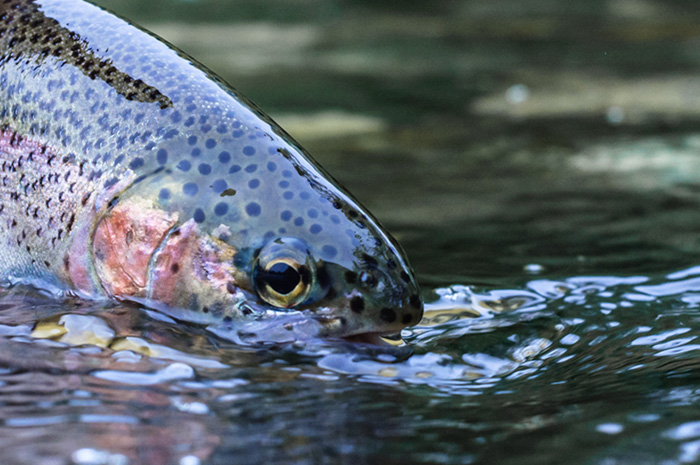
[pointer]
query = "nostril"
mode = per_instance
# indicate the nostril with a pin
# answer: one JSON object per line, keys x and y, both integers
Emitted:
{"x": 368, "y": 279}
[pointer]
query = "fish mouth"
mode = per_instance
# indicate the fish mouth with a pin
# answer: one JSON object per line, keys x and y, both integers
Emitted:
{"x": 276, "y": 326}
{"x": 375, "y": 339}
{"x": 299, "y": 328}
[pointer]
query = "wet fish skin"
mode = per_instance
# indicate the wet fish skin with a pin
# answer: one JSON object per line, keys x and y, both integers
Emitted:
{"x": 128, "y": 170}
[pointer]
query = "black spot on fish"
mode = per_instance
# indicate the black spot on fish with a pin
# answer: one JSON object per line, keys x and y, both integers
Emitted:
{"x": 190, "y": 189}
{"x": 329, "y": 251}
{"x": 405, "y": 276}
{"x": 415, "y": 301}
{"x": 199, "y": 216}
{"x": 221, "y": 209}
{"x": 357, "y": 304}
{"x": 406, "y": 319}
{"x": 174, "y": 268}
{"x": 224, "y": 157}
{"x": 350, "y": 277}
{"x": 231, "y": 287}
{"x": 253, "y": 209}
{"x": 219, "y": 186}
{"x": 387, "y": 314}
{"x": 136, "y": 163}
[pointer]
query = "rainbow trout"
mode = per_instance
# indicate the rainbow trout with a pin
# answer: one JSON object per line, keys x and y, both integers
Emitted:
{"x": 130, "y": 171}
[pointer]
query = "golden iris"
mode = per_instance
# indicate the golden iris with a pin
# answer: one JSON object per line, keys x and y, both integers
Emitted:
{"x": 283, "y": 273}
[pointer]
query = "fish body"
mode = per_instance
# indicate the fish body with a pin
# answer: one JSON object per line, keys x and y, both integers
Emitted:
{"x": 129, "y": 171}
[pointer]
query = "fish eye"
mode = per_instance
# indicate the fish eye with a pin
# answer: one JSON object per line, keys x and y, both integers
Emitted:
{"x": 283, "y": 273}
{"x": 281, "y": 277}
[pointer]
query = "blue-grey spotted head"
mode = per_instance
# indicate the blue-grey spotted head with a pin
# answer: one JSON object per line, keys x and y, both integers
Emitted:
{"x": 260, "y": 233}
{"x": 267, "y": 236}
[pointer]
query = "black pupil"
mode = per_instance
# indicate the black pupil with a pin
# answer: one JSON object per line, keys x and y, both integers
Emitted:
{"x": 282, "y": 278}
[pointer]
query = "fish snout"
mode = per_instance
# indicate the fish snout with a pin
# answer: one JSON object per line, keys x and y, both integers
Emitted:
{"x": 382, "y": 303}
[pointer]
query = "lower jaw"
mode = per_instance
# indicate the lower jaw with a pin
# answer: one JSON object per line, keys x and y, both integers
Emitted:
{"x": 375, "y": 339}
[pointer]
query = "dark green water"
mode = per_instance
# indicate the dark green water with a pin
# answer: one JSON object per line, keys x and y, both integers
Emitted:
{"x": 540, "y": 163}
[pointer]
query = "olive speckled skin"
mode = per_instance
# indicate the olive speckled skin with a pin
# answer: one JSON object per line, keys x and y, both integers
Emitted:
{"x": 95, "y": 112}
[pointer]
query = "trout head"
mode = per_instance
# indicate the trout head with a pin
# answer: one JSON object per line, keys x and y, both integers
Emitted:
{"x": 314, "y": 265}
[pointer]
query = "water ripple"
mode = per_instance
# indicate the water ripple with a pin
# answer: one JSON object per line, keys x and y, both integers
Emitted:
{"x": 581, "y": 353}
